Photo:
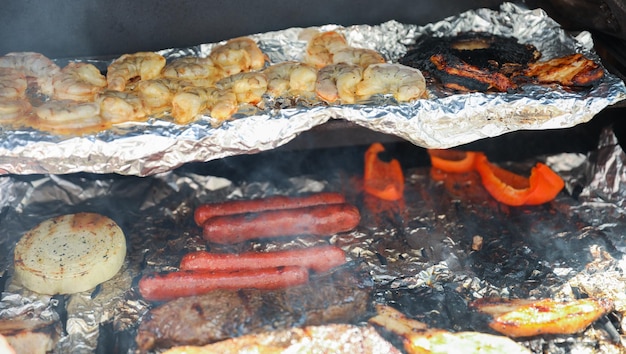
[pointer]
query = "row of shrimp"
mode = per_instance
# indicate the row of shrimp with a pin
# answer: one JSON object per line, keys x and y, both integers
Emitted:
{"x": 16, "y": 71}
{"x": 70, "y": 90}
{"x": 348, "y": 74}
{"x": 136, "y": 86}
{"x": 236, "y": 73}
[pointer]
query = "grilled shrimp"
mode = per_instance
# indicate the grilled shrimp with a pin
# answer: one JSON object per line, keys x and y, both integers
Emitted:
{"x": 192, "y": 101}
{"x": 248, "y": 87}
{"x": 130, "y": 67}
{"x": 338, "y": 82}
{"x": 238, "y": 55}
{"x": 403, "y": 82}
{"x": 193, "y": 68}
{"x": 362, "y": 57}
{"x": 322, "y": 47}
{"x": 62, "y": 115}
{"x": 290, "y": 77}
{"x": 222, "y": 104}
{"x": 12, "y": 109}
{"x": 157, "y": 94}
{"x": 79, "y": 82}
{"x": 121, "y": 106}
{"x": 13, "y": 84}
{"x": 187, "y": 104}
{"x": 33, "y": 65}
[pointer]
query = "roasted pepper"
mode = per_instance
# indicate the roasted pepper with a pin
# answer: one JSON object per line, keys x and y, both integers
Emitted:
{"x": 505, "y": 186}
{"x": 455, "y": 161}
{"x": 512, "y": 189}
{"x": 382, "y": 179}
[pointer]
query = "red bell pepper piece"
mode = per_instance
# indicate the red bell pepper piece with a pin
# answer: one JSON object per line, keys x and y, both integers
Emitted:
{"x": 381, "y": 179}
{"x": 512, "y": 189}
{"x": 548, "y": 183}
{"x": 455, "y": 161}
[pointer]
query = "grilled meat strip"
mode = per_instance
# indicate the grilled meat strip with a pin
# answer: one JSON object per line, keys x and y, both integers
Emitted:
{"x": 460, "y": 76}
{"x": 341, "y": 296}
{"x": 332, "y": 338}
{"x": 571, "y": 70}
{"x": 31, "y": 336}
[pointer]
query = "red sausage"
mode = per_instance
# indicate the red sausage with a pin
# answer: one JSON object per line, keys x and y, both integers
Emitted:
{"x": 168, "y": 286}
{"x": 317, "y": 220}
{"x": 319, "y": 259}
{"x": 205, "y": 211}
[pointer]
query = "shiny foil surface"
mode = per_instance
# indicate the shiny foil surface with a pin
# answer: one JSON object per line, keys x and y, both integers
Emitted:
{"x": 439, "y": 121}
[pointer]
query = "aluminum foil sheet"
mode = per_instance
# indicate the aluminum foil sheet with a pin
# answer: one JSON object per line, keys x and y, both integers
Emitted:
{"x": 441, "y": 121}
{"x": 443, "y": 245}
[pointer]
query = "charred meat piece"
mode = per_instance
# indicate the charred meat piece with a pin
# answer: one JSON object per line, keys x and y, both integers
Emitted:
{"x": 479, "y": 62}
{"x": 488, "y": 51}
{"x": 333, "y": 338}
{"x": 461, "y": 76}
{"x": 571, "y": 70}
{"x": 419, "y": 56}
{"x": 339, "y": 297}
{"x": 471, "y": 61}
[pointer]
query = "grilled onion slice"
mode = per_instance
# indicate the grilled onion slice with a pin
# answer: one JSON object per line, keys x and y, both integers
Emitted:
{"x": 69, "y": 254}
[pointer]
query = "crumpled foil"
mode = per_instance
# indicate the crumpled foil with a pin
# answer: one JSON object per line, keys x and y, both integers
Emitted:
{"x": 441, "y": 121}
{"x": 421, "y": 246}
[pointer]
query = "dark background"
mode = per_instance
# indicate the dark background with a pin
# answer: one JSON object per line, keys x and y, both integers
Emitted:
{"x": 62, "y": 28}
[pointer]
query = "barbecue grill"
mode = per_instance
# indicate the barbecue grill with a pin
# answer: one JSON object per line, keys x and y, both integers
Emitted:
{"x": 418, "y": 253}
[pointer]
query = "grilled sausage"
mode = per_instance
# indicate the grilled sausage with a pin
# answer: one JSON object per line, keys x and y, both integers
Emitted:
{"x": 317, "y": 220}
{"x": 168, "y": 286}
{"x": 206, "y": 211}
{"x": 318, "y": 259}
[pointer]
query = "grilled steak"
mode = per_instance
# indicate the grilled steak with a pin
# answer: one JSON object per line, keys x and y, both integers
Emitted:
{"x": 342, "y": 296}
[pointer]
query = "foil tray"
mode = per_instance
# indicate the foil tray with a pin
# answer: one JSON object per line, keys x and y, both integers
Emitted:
{"x": 440, "y": 121}
{"x": 419, "y": 251}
